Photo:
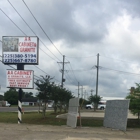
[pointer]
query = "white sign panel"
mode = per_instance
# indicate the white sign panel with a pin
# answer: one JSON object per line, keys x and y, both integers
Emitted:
{"x": 18, "y": 50}
{"x": 20, "y": 78}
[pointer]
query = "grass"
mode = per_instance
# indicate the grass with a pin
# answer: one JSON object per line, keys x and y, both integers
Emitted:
{"x": 31, "y": 118}
{"x": 37, "y": 118}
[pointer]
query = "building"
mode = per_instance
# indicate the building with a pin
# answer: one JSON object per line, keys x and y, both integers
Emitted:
{"x": 30, "y": 101}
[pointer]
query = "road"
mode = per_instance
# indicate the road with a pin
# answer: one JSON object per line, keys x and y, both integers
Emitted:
{"x": 47, "y": 132}
{"x": 14, "y": 109}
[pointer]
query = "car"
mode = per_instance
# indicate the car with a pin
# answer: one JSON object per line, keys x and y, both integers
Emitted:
{"x": 100, "y": 106}
{"x": 89, "y": 106}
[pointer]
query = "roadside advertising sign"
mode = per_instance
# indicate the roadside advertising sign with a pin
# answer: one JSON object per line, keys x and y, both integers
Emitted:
{"x": 20, "y": 50}
{"x": 20, "y": 79}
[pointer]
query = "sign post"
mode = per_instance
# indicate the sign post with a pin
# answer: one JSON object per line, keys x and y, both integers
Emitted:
{"x": 20, "y": 67}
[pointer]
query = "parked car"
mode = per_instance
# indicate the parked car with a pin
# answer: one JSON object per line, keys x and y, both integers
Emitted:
{"x": 89, "y": 106}
{"x": 100, "y": 106}
{"x": 5, "y": 104}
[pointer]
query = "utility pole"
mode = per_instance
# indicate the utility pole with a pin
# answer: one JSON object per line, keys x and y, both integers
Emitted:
{"x": 63, "y": 80}
{"x": 97, "y": 77}
{"x": 82, "y": 92}
{"x": 63, "y": 63}
{"x": 85, "y": 96}
{"x": 91, "y": 91}
{"x": 78, "y": 89}
{"x": 79, "y": 107}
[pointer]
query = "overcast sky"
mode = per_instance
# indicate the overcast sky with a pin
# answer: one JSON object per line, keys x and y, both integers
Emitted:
{"x": 79, "y": 29}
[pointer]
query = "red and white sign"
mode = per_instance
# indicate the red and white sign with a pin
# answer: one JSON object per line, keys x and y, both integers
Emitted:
{"x": 20, "y": 78}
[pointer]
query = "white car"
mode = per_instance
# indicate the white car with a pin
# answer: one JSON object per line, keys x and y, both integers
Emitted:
{"x": 100, "y": 106}
{"x": 89, "y": 106}
{"x": 7, "y": 104}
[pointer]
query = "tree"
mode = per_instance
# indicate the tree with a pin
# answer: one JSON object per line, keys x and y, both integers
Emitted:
{"x": 44, "y": 87}
{"x": 64, "y": 98}
{"x": 11, "y": 96}
{"x": 94, "y": 99}
{"x": 1, "y": 97}
{"x": 27, "y": 95}
{"x": 134, "y": 105}
{"x": 49, "y": 91}
{"x": 56, "y": 91}
{"x": 61, "y": 98}
{"x": 83, "y": 102}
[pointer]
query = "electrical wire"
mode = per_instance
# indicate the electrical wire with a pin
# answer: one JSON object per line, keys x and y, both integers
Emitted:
{"x": 116, "y": 59}
{"x": 79, "y": 70}
{"x": 20, "y": 29}
{"x": 45, "y": 72}
{"x": 73, "y": 72}
{"x": 30, "y": 27}
{"x": 13, "y": 22}
{"x": 41, "y": 27}
{"x": 118, "y": 71}
{"x": 8, "y": 65}
{"x": 80, "y": 56}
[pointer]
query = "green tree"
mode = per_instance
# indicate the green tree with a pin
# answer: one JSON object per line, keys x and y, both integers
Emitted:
{"x": 95, "y": 100}
{"x": 134, "y": 105}
{"x": 61, "y": 98}
{"x": 56, "y": 91}
{"x": 1, "y": 97}
{"x": 83, "y": 102}
{"x": 44, "y": 85}
{"x": 11, "y": 96}
{"x": 64, "y": 98}
{"x": 27, "y": 95}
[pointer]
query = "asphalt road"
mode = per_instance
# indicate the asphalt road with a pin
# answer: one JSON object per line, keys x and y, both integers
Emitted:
{"x": 47, "y": 132}
{"x": 14, "y": 109}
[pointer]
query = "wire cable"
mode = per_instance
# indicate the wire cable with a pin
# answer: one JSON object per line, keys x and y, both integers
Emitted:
{"x": 13, "y": 22}
{"x": 116, "y": 59}
{"x": 119, "y": 71}
{"x": 45, "y": 72}
{"x": 30, "y": 27}
{"x": 41, "y": 27}
{"x": 73, "y": 72}
{"x": 80, "y": 57}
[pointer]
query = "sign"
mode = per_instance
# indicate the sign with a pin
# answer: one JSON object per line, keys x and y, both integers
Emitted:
{"x": 20, "y": 78}
{"x": 18, "y": 50}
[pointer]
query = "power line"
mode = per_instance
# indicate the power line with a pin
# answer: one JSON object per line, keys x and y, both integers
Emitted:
{"x": 12, "y": 21}
{"x": 80, "y": 56}
{"x": 91, "y": 75}
{"x": 41, "y": 27}
{"x": 79, "y": 70}
{"x": 116, "y": 59}
{"x": 118, "y": 71}
{"x": 45, "y": 72}
{"x": 29, "y": 27}
{"x": 73, "y": 72}
{"x": 41, "y": 70}
{"x": 8, "y": 65}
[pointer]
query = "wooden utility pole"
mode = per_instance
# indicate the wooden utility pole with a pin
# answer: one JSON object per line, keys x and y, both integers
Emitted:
{"x": 97, "y": 77}
{"x": 63, "y": 63}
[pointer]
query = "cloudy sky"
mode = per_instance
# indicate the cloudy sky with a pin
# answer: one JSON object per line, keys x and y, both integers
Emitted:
{"x": 79, "y": 30}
